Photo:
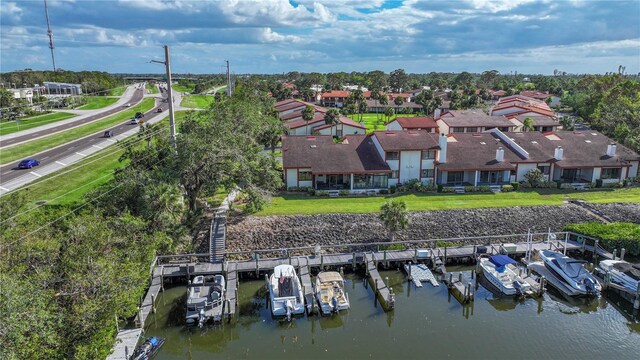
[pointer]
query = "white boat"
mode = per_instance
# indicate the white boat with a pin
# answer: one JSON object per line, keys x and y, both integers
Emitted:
{"x": 330, "y": 292}
{"x": 622, "y": 273}
{"x": 571, "y": 271}
{"x": 285, "y": 292}
{"x": 500, "y": 271}
{"x": 205, "y": 300}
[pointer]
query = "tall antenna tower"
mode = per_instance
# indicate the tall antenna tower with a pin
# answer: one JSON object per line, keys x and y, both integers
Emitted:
{"x": 50, "y": 33}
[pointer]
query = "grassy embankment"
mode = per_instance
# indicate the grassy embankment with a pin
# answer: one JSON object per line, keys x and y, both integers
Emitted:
{"x": 152, "y": 88}
{"x": 70, "y": 184}
{"x": 97, "y": 102}
{"x": 197, "y": 101}
{"x": 302, "y": 204}
{"x": 33, "y": 147}
{"x": 117, "y": 91}
{"x": 31, "y": 122}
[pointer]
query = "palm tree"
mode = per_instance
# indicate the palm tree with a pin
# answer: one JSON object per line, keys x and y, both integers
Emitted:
{"x": 399, "y": 100}
{"x": 394, "y": 217}
{"x": 383, "y": 99}
{"x": 307, "y": 115}
{"x": 527, "y": 124}
{"x": 332, "y": 117}
{"x": 389, "y": 112}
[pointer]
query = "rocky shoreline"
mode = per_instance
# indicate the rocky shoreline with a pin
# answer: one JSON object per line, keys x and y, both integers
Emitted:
{"x": 269, "y": 232}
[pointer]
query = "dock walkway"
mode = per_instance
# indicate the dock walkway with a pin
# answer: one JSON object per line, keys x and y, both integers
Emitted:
{"x": 231, "y": 297}
{"x": 307, "y": 285}
{"x": 387, "y": 297}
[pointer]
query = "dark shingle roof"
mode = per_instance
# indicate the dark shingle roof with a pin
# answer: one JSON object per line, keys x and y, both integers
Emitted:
{"x": 422, "y": 122}
{"x": 473, "y": 118}
{"x": 406, "y": 140}
{"x": 357, "y": 154}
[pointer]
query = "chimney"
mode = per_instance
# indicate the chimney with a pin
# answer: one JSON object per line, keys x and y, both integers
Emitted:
{"x": 442, "y": 141}
{"x": 611, "y": 150}
{"x": 436, "y": 113}
{"x": 500, "y": 154}
{"x": 559, "y": 153}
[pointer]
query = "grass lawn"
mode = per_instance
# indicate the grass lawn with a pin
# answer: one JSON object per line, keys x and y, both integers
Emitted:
{"x": 31, "y": 122}
{"x": 183, "y": 88}
{"x": 97, "y": 102}
{"x": 197, "y": 101}
{"x": 117, "y": 91}
{"x": 301, "y": 204}
{"x": 372, "y": 123}
{"x": 71, "y": 186}
{"x": 152, "y": 88}
{"x": 32, "y": 147}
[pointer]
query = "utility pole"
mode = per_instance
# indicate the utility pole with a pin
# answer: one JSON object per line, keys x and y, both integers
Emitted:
{"x": 228, "y": 79}
{"x": 50, "y": 33}
{"x": 172, "y": 122}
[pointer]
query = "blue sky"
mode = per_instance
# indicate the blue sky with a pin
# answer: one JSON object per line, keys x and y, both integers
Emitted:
{"x": 273, "y": 36}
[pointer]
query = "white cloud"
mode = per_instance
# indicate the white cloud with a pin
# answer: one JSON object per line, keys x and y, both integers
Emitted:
{"x": 268, "y": 35}
{"x": 12, "y": 10}
{"x": 498, "y": 5}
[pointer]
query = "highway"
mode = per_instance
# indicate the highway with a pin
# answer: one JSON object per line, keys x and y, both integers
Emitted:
{"x": 137, "y": 97}
{"x": 57, "y": 158}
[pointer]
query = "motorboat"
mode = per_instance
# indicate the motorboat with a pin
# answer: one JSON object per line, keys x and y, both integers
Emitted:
{"x": 330, "y": 292}
{"x": 205, "y": 300}
{"x": 285, "y": 292}
{"x": 621, "y": 273}
{"x": 501, "y": 272}
{"x": 148, "y": 349}
{"x": 571, "y": 271}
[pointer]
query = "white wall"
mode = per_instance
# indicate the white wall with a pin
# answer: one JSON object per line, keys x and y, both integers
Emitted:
{"x": 409, "y": 165}
{"x": 376, "y": 143}
{"x": 596, "y": 175}
{"x": 523, "y": 169}
{"x": 394, "y": 125}
{"x": 633, "y": 171}
{"x": 292, "y": 178}
{"x": 346, "y": 130}
{"x": 444, "y": 128}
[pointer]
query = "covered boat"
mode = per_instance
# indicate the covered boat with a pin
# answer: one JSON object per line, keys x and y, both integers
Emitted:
{"x": 285, "y": 292}
{"x": 205, "y": 300}
{"x": 621, "y": 273}
{"x": 330, "y": 292}
{"x": 571, "y": 271}
{"x": 500, "y": 271}
{"x": 148, "y": 349}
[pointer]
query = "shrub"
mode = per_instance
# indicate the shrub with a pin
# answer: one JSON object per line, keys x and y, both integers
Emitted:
{"x": 566, "y": 186}
{"x": 384, "y": 191}
{"x": 401, "y": 188}
{"x": 392, "y": 189}
{"x": 322, "y": 193}
{"x": 534, "y": 177}
{"x": 413, "y": 184}
{"x": 598, "y": 183}
{"x": 469, "y": 189}
{"x": 506, "y": 188}
{"x": 344, "y": 192}
{"x": 448, "y": 190}
{"x": 615, "y": 235}
{"x": 440, "y": 187}
{"x": 525, "y": 185}
{"x": 292, "y": 188}
{"x": 515, "y": 185}
{"x": 311, "y": 191}
{"x": 484, "y": 188}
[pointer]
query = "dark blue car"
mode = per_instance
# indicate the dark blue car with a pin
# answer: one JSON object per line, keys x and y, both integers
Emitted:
{"x": 28, "y": 163}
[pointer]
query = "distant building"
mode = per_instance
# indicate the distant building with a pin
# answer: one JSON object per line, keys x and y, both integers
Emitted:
{"x": 23, "y": 93}
{"x": 55, "y": 88}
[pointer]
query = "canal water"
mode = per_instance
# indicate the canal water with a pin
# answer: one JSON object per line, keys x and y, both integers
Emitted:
{"x": 426, "y": 323}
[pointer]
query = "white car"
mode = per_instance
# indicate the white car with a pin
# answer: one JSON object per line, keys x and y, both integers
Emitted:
{"x": 127, "y": 105}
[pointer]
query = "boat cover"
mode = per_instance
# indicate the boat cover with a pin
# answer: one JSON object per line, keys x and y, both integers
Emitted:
{"x": 154, "y": 341}
{"x": 629, "y": 269}
{"x": 501, "y": 260}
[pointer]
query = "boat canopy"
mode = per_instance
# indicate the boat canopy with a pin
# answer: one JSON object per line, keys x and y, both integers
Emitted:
{"x": 501, "y": 260}
{"x": 154, "y": 341}
{"x": 329, "y": 276}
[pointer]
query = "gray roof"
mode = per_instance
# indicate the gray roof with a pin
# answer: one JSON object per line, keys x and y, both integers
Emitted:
{"x": 473, "y": 117}
{"x": 406, "y": 140}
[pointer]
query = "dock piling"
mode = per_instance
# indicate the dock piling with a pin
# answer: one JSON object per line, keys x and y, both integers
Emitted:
{"x": 153, "y": 303}
{"x": 636, "y": 303}
{"x": 615, "y": 251}
{"x": 410, "y": 277}
{"x": 353, "y": 261}
{"x": 622, "y": 253}
{"x": 384, "y": 259}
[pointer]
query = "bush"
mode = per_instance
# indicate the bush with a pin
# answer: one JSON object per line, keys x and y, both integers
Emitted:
{"x": 615, "y": 235}
{"x": 515, "y": 185}
{"x": 384, "y": 191}
{"x": 292, "y": 188}
{"x": 506, "y": 188}
{"x": 322, "y": 193}
{"x": 525, "y": 185}
{"x": 448, "y": 190}
{"x": 344, "y": 192}
{"x": 311, "y": 191}
{"x": 469, "y": 189}
{"x": 484, "y": 188}
{"x": 413, "y": 184}
{"x": 392, "y": 189}
{"x": 440, "y": 187}
{"x": 598, "y": 183}
{"x": 534, "y": 177}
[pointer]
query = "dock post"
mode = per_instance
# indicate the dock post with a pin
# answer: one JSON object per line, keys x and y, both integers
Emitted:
{"x": 140, "y": 317}
{"x": 445, "y": 254}
{"x": 595, "y": 252}
{"x": 450, "y": 280}
{"x": 474, "y": 251}
{"x": 153, "y": 303}
{"x": 566, "y": 240}
{"x": 473, "y": 272}
{"x": 289, "y": 256}
{"x": 341, "y": 271}
{"x": 415, "y": 255}
{"x": 126, "y": 352}
{"x": 543, "y": 284}
{"x": 384, "y": 259}
{"x": 375, "y": 289}
{"x": 321, "y": 262}
{"x": 410, "y": 278}
{"x": 615, "y": 251}
{"x": 460, "y": 277}
{"x": 255, "y": 256}
{"x": 228, "y": 304}
{"x": 353, "y": 261}
{"x": 636, "y": 303}
{"x": 622, "y": 253}
{"x": 162, "y": 278}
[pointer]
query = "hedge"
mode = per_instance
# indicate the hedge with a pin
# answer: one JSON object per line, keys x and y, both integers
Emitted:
{"x": 615, "y": 235}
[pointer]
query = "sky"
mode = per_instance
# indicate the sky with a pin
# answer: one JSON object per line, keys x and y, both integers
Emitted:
{"x": 275, "y": 36}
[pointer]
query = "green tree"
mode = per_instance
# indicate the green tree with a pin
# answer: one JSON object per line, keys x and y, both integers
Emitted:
{"x": 389, "y": 112}
{"x": 399, "y": 100}
{"x": 398, "y": 80}
{"x": 307, "y": 115}
{"x": 332, "y": 118}
{"x": 527, "y": 124}
{"x": 394, "y": 217}
{"x": 534, "y": 177}
{"x": 383, "y": 99}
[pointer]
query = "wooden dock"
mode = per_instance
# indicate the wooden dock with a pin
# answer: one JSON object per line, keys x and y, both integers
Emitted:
{"x": 307, "y": 285}
{"x": 125, "y": 344}
{"x": 461, "y": 291}
{"x": 420, "y": 273}
{"x": 551, "y": 279}
{"x": 231, "y": 296}
{"x": 380, "y": 289}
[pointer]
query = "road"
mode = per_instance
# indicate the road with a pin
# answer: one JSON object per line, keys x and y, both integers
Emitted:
{"x": 137, "y": 97}
{"x": 55, "y": 159}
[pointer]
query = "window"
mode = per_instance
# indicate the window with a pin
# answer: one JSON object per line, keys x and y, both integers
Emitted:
{"x": 339, "y": 132}
{"x": 427, "y": 173}
{"x": 472, "y": 130}
{"x": 304, "y": 175}
{"x": 544, "y": 169}
{"x": 392, "y": 155}
{"x": 455, "y": 177}
{"x": 428, "y": 154}
{"x": 610, "y": 173}
{"x": 503, "y": 129}
{"x": 367, "y": 181}
{"x": 394, "y": 174}
{"x": 457, "y": 130}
